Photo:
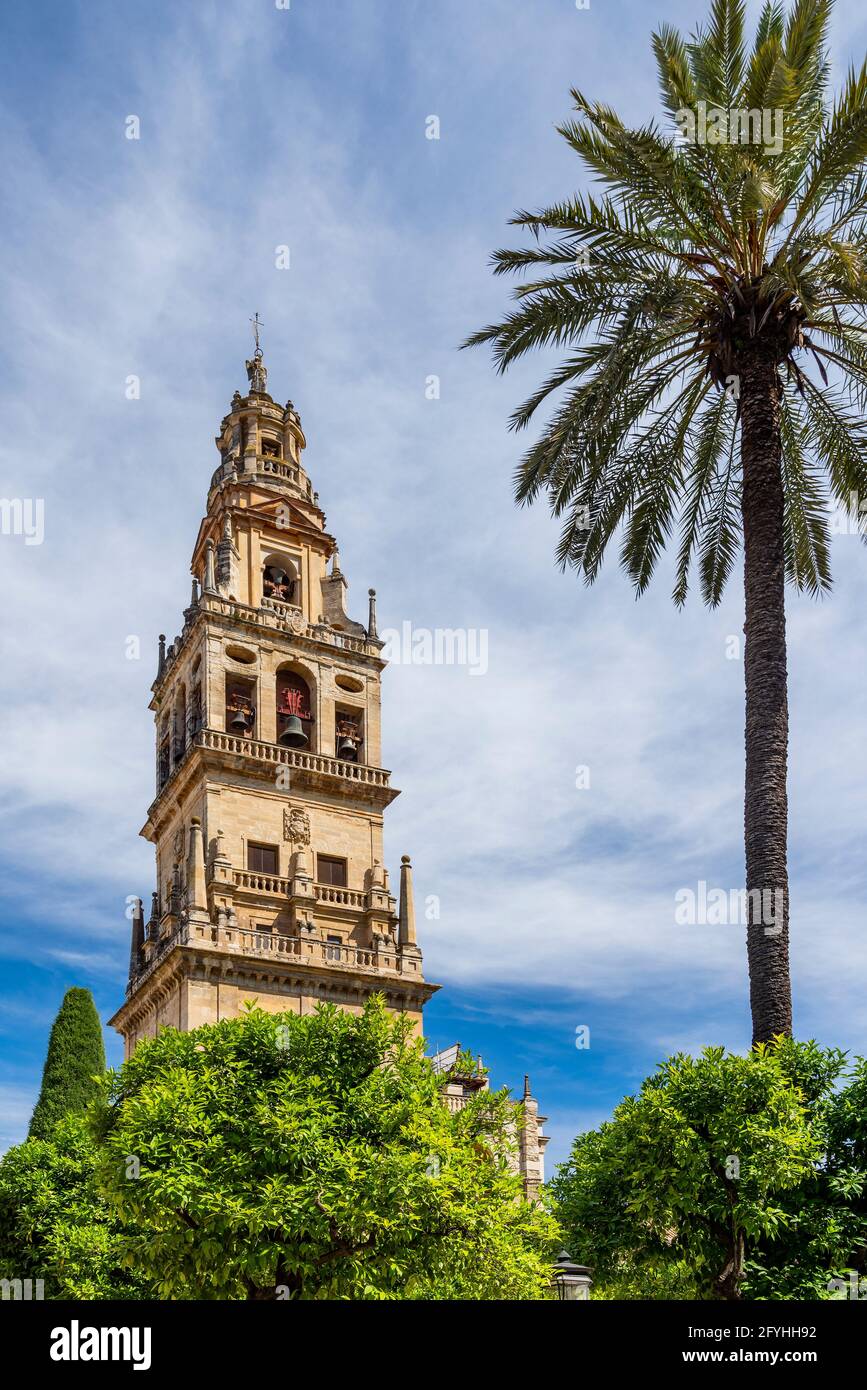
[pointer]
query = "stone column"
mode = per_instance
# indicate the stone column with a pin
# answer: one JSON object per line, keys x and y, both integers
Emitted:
{"x": 138, "y": 936}
{"x": 210, "y": 585}
{"x": 406, "y": 931}
{"x": 197, "y": 892}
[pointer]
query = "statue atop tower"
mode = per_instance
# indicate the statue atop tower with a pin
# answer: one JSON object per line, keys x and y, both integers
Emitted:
{"x": 257, "y": 372}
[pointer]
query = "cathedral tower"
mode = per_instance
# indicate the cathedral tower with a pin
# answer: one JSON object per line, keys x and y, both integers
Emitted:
{"x": 268, "y": 815}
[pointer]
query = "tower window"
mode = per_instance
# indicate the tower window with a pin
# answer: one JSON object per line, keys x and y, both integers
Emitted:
{"x": 270, "y": 449}
{"x": 294, "y": 715}
{"x": 278, "y": 583}
{"x": 240, "y": 708}
{"x": 164, "y": 761}
{"x": 331, "y": 871}
{"x": 179, "y": 740}
{"x": 262, "y": 859}
{"x": 347, "y": 735}
{"x": 196, "y": 714}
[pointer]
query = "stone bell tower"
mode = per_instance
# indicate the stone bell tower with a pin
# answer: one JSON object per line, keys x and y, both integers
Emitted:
{"x": 268, "y": 815}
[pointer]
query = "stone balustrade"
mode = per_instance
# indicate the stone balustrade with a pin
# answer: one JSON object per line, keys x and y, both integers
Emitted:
{"x": 356, "y": 898}
{"x": 340, "y": 897}
{"x": 293, "y": 757}
{"x": 275, "y": 755}
{"x": 262, "y": 883}
{"x": 264, "y": 945}
{"x": 265, "y": 464}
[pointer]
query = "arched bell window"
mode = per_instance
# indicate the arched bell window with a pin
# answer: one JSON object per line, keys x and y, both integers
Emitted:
{"x": 294, "y": 711}
{"x": 197, "y": 716}
{"x": 280, "y": 579}
{"x": 240, "y": 707}
{"x": 179, "y": 735}
{"x": 164, "y": 755}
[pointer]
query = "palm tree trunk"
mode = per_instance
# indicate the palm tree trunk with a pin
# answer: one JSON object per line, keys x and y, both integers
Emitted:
{"x": 767, "y": 713}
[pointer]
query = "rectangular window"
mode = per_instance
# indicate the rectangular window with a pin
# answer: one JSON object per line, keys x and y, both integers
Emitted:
{"x": 262, "y": 859}
{"x": 332, "y": 871}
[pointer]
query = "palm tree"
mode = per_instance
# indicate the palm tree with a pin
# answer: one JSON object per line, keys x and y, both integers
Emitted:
{"x": 698, "y": 297}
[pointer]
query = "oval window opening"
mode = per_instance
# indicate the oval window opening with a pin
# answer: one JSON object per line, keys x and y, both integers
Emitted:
{"x": 349, "y": 683}
{"x": 242, "y": 654}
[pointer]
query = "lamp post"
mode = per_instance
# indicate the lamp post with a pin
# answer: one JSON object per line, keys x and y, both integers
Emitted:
{"x": 570, "y": 1280}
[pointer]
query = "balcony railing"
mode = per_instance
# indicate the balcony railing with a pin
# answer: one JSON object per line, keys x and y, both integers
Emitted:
{"x": 340, "y": 897}
{"x": 265, "y": 463}
{"x": 355, "y": 898}
{"x": 282, "y": 608}
{"x": 249, "y": 941}
{"x": 262, "y": 883}
{"x": 274, "y": 755}
{"x": 293, "y": 757}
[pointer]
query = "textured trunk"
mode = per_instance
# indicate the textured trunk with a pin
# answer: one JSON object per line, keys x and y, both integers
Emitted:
{"x": 727, "y": 1283}
{"x": 767, "y": 714}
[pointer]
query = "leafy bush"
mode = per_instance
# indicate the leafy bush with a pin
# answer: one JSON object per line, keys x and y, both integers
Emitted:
{"x": 718, "y": 1173}
{"x": 55, "y": 1225}
{"x": 285, "y": 1157}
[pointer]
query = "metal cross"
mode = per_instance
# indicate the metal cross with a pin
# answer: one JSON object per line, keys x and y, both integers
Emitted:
{"x": 257, "y": 324}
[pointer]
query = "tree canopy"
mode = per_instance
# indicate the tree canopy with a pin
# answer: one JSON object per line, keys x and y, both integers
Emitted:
{"x": 55, "y": 1224}
{"x": 724, "y": 1177}
{"x": 275, "y": 1156}
{"x": 705, "y": 249}
{"x": 73, "y": 1065}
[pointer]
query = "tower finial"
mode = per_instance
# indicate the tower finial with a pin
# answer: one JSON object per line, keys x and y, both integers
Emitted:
{"x": 257, "y": 372}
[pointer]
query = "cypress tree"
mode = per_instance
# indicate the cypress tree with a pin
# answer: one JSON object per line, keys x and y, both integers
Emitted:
{"x": 75, "y": 1057}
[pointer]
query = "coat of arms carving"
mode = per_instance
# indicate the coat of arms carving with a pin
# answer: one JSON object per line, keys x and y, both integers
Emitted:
{"x": 296, "y": 826}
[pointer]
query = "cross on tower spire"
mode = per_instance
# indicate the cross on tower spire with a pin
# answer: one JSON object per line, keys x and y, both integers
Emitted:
{"x": 257, "y": 372}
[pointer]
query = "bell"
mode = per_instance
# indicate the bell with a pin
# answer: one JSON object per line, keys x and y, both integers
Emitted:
{"x": 347, "y": 748}
{"x": 293, "y": 736}
{"x": 238, "y": 722}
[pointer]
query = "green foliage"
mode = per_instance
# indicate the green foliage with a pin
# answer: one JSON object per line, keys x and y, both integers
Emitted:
{"x": 666, "y": 1281}
{"x": 313, "y": 1157}
{"x": 660, "y": 287}
{"x": 75, "y": 1061}
{"x": 824, "y": 1235}
{"x": 467, "y": 1064}
{"x": 693, "y": 1171}
{"x": 54, "y": 1223}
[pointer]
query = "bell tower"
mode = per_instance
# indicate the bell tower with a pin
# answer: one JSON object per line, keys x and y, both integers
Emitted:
{"x": 268, "y": 816}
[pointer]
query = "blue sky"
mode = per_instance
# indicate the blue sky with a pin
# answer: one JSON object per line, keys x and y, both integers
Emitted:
{"x": 305, "y": 127}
